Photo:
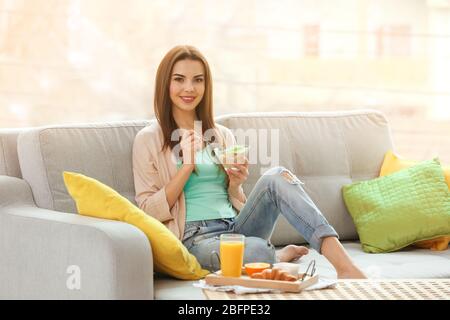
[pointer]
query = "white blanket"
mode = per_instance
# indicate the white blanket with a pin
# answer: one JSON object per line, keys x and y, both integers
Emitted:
{"x": 321, "y": 284}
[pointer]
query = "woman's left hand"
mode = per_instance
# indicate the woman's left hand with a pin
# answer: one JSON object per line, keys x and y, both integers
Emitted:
{"x": 237, "y": 177}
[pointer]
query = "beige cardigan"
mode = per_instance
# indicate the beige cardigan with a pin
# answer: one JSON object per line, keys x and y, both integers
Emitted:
{"x": 153, "y": 169}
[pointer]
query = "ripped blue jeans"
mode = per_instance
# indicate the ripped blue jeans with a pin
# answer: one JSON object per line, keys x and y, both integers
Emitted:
{"x": 277, "y": 191}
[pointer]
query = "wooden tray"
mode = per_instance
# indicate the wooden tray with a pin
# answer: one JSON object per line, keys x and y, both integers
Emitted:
{"x": 216, "y": 279}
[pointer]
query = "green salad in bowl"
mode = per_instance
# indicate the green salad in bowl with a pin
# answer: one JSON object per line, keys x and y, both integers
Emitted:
{"x": 232, "y": 155}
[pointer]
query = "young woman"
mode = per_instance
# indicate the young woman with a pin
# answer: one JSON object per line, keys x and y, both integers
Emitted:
{"x": 181, "y": 184}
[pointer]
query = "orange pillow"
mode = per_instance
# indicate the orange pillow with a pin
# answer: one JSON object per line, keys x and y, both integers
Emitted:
{"x": 436, "y": 244}
{"x": 393, "y": 163}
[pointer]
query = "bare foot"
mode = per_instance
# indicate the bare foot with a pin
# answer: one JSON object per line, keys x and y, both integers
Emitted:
{"x": 351, "y": 273}
{"x": 291, "y": 253}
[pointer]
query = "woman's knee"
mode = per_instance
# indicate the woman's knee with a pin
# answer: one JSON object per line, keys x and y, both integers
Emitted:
{"x": 259, "y": 250}
{"x": 270, "y": 176}
{"x": 274, "y": 171}
{"x": 274, "y": 174}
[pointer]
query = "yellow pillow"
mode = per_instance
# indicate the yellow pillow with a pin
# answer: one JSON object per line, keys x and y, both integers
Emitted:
{"x": 96, "y": 199}
{"x": 392, "y": 163}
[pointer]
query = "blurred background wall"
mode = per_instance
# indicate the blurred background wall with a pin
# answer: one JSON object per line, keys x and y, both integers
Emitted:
{"x": 66, "y": 61}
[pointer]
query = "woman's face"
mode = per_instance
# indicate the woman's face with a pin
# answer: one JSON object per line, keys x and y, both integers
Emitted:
{"x": 187, "y": 84}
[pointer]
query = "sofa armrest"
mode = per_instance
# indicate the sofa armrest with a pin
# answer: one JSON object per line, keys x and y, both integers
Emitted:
{"x": 15, "y": 191}
{"x": 47, "y": 254}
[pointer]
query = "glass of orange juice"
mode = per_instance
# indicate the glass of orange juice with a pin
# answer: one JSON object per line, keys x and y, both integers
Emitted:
{"x": 231, "y": 254}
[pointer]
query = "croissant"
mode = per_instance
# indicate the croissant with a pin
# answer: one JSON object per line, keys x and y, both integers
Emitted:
{"x": 274, "y": 274}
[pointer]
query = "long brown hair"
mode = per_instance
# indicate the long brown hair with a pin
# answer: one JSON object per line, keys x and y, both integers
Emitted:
{"x": 163, "y": 103}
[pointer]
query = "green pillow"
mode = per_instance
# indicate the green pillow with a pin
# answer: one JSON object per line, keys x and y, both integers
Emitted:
{"x": 394, "y": 211}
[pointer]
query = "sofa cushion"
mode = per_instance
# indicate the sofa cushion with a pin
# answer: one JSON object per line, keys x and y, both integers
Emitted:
{"x": 9, "y": 161}
{"x": 325, "y": 150}
{"x": 395, "y": 211}
{"x": 96, "y": 199}
{"x": 102, "y": 151}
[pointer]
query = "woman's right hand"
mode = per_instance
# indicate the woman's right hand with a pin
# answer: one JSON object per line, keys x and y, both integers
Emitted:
{"x": 191, "y": 142}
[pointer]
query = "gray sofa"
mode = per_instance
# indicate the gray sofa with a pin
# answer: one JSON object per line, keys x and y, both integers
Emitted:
{"x": 47, "y": 251}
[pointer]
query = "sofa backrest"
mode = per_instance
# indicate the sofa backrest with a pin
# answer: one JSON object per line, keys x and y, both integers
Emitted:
{"x": 9, "y": 162}
{"x": 325, "y": 150}
{"x": 102, "y": 151}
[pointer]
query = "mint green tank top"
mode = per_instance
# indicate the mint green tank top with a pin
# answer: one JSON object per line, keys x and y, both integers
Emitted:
{"x": 206, "y": 194}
